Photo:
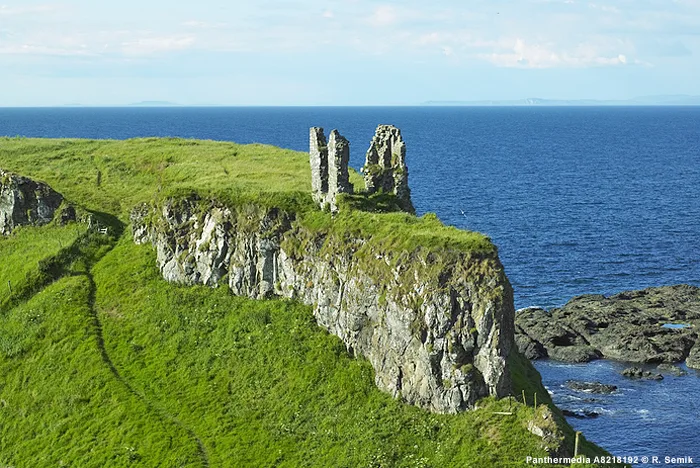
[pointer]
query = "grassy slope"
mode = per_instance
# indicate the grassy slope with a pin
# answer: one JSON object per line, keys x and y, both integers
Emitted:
{"x": 112, "y": 176}
{"x": 189, "y": 375}
{"x": 25, "y": 257}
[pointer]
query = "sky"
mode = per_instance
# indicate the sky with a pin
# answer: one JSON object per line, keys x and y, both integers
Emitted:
{"x": 344, "y": 52}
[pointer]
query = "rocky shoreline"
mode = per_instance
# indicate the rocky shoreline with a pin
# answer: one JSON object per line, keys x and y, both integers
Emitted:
{"x": 654, "y": 325}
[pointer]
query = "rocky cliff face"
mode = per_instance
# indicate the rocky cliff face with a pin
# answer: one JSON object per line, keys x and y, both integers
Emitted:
{"x": 436, "y": 325}
{"x": 25, "y": 202}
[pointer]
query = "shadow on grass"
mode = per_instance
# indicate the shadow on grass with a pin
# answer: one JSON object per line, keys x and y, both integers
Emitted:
{"x": 89, "y": 247}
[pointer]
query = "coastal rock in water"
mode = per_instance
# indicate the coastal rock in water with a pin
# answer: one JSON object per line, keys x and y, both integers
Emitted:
{"x": 671, "y": 369}
{"x": 583, "y": 414}
{"x": 530, "y": 348}
{"x": 693, "y": 360}
{"x": 639, "y": 373}
{"x": 385, "y": 167}
{"x": 631, "y": 326}
{"x": 24, "y": 201}
{"x": 538, "y": 336}
{"x": 438, "y": 339}
{"x": 590, "y": 387}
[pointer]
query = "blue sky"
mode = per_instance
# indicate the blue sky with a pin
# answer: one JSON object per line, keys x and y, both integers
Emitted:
{"x": 344, "y": 52}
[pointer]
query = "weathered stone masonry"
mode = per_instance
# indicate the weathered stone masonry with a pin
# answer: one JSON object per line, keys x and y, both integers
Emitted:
{"x": 329, "y": 167}
{"x": 384, "y": 171}
{"x": 385, "y": 168}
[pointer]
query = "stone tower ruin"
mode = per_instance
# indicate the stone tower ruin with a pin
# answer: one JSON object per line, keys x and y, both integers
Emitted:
{"x": 385, "y": 167}
{"x": 329, "y": 167}
{"x": 384, "y": 171}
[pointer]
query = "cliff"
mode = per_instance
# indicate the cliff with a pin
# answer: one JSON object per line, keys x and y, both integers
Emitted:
{"x": 435, "y": 322}
{"x": 198, "y": 376}
{"x": 433, "y": 314}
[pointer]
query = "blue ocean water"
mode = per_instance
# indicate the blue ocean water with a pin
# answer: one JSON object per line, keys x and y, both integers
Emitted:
{"x": 578, "y": 200}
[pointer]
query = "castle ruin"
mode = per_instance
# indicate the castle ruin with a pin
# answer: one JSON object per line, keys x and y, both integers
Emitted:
{"x": 385, "y": 169}
{"x": 329, "y": 167}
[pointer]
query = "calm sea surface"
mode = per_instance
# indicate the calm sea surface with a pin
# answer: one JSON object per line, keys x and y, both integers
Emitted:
{"x": 578, "y": 200}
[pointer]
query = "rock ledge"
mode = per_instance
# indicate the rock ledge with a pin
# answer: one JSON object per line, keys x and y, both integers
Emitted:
{"x": 634, "y": 326}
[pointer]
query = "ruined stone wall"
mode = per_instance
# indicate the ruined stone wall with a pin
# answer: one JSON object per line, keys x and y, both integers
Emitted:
{"x": 329, "y": 167}
{"x": 385, "y": 167}
{"x": 318, "y": 157}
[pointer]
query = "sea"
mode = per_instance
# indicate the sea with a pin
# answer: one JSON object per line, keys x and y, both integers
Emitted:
{"x": 579, "y": 200}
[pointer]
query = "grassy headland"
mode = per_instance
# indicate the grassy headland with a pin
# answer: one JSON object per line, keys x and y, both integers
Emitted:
{"x": 102, "y": 363}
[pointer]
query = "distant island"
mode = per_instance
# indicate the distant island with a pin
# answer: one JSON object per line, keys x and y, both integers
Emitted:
{"x": 154, "y": 104}
{"x": 673, "y": 100}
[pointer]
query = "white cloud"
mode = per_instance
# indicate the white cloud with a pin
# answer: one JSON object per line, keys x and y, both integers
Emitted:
{"x": 194, "y": 24}
{"x": 107, "y": 44}
{"x": 6, "y": 10}
{"x": 429, "y": 39}
{"x": 30, "y": 49}
{"x": 536, "y": 55}
{"x": 604, "y": 8}
{"x": 384, "y": 15}
{"x": 152, "y": 45}
{"x": 534, "y": 33}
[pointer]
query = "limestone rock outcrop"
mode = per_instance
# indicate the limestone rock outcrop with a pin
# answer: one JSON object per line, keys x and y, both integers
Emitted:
{"x": 653, "y": 325}
{"x": 437, "y": 337}
{"x": 671, "y": 369}
{"x": 543, "y": 424}
{"x": 24, "y": 201}
{"x": 385, "y": 167}
{"x": 329, "y": 166}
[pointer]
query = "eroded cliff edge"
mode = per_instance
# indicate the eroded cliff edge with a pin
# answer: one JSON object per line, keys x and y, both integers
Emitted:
{"x": 435, "y": 321}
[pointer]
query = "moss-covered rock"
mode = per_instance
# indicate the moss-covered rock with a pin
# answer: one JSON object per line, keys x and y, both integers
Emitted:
{"x": 24, "y": 201}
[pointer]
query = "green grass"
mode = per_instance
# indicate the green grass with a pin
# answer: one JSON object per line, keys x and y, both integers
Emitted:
{"x": 59, "y": 404}
{"x": 102, "y": 363}
{"x": 27, "y": 258}
{"x": 257, "y": 381}
{"x": 114, "y": 176}
{"x": 399, "y": 231}
{"x": 27, "y": 246}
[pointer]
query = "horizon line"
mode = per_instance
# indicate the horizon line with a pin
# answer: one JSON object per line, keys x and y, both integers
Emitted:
{"x": 433, "y": 104}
